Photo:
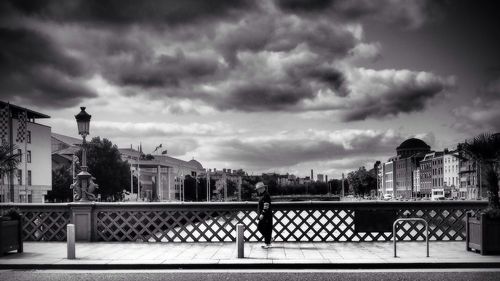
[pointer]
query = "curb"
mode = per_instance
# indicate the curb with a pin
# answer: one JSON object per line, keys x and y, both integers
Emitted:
{"x": 449, "y": 265}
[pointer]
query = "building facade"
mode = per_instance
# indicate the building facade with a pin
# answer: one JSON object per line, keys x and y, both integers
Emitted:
{"x": 471, "y": 176}
{"x": 426, "y": 176}
{"x": 160, "y": 178}
{"x": 399, "y": 172}
{"x": 387, "y": 185}
{"x": 321, "y": 178}
{"x": 450, "y": 174}
{"x": 223, "y": 178}
{"x": 32, "y": 179}
{"x": 416, "y": 182}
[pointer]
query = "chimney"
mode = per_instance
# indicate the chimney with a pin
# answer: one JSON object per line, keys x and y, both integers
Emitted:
{"x": 312, "y": 175}
{"x": 326, "y": 178}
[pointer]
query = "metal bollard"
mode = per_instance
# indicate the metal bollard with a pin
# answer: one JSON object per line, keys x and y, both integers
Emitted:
{"x": 70, "y": 234}
{"x": 410, "y": 219}
{"x": 240, "y": 240}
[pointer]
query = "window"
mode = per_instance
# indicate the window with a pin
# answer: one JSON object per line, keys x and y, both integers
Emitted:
{"x": 29, "y": 177}
{"x": 20, "y": 177}
{"x": 28, "y": 156}
{"x": 20, "y": 153}
{"x": 28, "y": 137}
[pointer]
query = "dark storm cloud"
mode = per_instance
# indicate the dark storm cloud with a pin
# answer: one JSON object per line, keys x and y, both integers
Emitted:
{"x": 400, "y": 12}
{"x": 289, "y": 150}
{"x": 482, "y": 114}
{"x": 256, "y": 97}
{"x": 392, "y": 103}
{"x": 34, "y": 69}
{"x": 304, "y": 5}
{"x": 379, "y": 94}
{"x": 331, "y": 77}
{"x": 283, "y": 34}
{"x": 162, "y": 71}
{"x": 119, "y": 12}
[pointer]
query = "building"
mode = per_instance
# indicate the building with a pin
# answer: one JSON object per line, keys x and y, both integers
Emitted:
{"x": 398, "y": 172}
{"x": 437, "y": 172}
{"x": 32, "y": 179}
{"x": 162, "y": 177}
{"x": 450, "y": 174}
{"x": 471, "y": 176}
{"x": 321, "y": 177}
{"x": 411, "y": 147}
{"x": 416, "y": 182}
{"x": 306, "y": 180}
{"x": 64, "y": 150}
{"x": 387, "y": 183}
{"x": 222, "y": 179}
{"x": 426, "y": 176}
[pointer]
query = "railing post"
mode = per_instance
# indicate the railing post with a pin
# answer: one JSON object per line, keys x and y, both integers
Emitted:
{"x": 82, "y": 218}
{"x": 394, "y": 236}
{"x": 240, "y": 240}
{"x": 70, "y": 238}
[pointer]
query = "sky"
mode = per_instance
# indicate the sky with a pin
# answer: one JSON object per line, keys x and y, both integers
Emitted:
{"x": 280, "y": 86}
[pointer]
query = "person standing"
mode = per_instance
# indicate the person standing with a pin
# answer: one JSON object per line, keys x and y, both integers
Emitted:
{"x": 265, "y": 225}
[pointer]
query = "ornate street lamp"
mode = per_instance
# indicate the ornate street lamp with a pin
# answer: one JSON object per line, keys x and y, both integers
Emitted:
{"x": 83, "y": 186}
{"x": 83, "y": 122}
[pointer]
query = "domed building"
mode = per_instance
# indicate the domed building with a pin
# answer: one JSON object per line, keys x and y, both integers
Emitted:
{"x": 411, "y": 147}
{"x": 196, "y": 164}
{"x": 400, "y": 174}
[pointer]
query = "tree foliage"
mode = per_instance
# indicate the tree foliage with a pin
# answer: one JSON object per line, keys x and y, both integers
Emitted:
{"x": 485, "y": 148}
{"x": 105, "y": 164}
{"x": 61, "y": 180}
{"x": 361, "y": 182}
{"x": 9, "y": 159}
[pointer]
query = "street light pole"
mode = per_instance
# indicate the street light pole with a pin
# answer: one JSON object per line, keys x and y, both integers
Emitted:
{"x": 84, "y": 185}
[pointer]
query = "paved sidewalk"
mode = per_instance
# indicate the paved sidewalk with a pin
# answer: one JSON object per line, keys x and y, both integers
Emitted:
{"x": 101, "y": 255}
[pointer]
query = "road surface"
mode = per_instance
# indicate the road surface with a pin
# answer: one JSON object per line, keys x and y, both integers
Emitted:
{"x": 247, "y": 275}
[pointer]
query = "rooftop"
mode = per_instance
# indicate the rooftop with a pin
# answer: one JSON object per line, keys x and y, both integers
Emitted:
{"x": 18, "y": 109}
{"x": 413, "y": 143}
{"x": 67, "y": 139}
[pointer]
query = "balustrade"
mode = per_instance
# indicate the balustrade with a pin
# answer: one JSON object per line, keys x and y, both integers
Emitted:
{"x": 216, "y": 222}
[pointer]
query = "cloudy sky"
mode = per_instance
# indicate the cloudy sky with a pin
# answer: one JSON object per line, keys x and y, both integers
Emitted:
{"x": 283, "y": 85}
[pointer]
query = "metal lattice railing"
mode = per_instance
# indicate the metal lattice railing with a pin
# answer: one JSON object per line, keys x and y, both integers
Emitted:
{"x": 43, "y": 222}
{"x": 216, "y": 222}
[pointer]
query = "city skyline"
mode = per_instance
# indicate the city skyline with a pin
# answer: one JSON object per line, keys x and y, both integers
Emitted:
{"x": 266, "y": 86}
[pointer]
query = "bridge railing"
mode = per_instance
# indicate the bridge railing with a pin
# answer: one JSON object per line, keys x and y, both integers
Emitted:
{"x": 216, "y": 222}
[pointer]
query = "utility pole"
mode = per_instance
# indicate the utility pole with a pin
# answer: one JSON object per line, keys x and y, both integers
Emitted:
{"x": 196, "y": 186}
{"x": 208, "y": 185}
{"x": 138, "y": 179}
{"x": 342, "y": 190}
{"x": 480, "y": 194}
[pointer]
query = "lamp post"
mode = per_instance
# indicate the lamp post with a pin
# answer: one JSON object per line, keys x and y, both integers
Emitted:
{"x": 84, "y": 186}
{"x": 83, "y": 122}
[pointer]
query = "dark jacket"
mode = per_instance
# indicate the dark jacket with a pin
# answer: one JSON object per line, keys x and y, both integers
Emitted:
{"x": 267, "y": 212}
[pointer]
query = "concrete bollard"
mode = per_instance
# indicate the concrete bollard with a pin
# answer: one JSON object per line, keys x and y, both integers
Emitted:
{"x": 70, "y": 234}
{"x": 240, "y": 240}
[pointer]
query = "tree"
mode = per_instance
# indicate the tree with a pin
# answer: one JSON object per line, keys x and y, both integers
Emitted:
{"x": 105, "y": 164}
{"x": 361, "y": 181}
{"x": 61, "y": 180}
{"x": 485, "y": 148}
{"x": 246, "y": 190}
{"x": 337, "y": 186}
{"x": 8, "y": 162}
{"x": 202, "y": 188}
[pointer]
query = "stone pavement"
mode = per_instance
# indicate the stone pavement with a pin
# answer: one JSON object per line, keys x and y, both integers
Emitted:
{"x": 109, "y": 255}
